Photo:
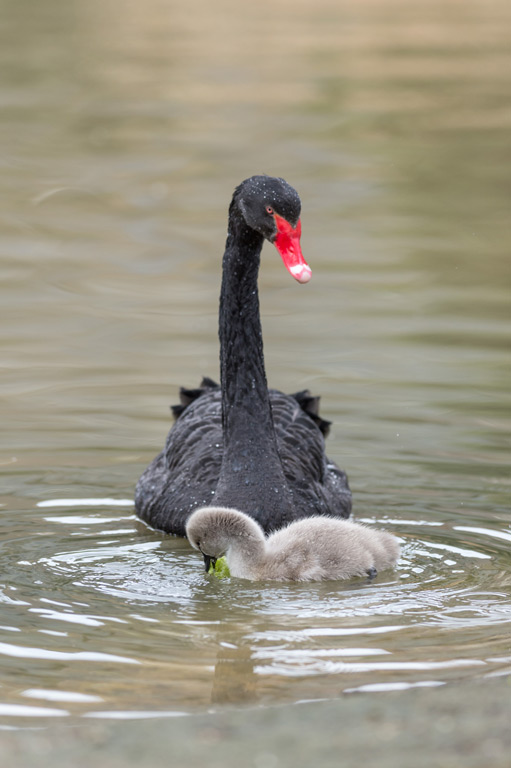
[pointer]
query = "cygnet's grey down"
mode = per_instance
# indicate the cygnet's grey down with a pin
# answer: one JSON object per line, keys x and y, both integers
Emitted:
{"x": 312, "y": 549}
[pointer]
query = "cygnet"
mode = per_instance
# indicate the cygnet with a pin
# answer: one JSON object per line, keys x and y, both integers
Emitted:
{"x": 311, "y": 549}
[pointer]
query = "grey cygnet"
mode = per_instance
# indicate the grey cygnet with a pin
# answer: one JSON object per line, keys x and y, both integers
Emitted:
{"x": 312, "y": 549}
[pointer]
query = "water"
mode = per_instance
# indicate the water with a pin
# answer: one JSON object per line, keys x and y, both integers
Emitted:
{"x": 124, "y": 132}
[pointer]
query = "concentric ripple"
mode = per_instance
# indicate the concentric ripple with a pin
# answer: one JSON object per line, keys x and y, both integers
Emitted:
{"x": 141, "y": 629}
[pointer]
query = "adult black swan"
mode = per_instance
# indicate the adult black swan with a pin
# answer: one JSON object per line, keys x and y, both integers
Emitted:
{"x": 242, "y": 445}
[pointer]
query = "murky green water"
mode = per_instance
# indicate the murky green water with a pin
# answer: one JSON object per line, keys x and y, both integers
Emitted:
{"x": 124, "y": 130}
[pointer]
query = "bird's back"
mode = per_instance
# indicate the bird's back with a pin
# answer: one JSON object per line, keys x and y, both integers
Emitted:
{"x": 185, "y": 474}
{"x": 319, "y": 548}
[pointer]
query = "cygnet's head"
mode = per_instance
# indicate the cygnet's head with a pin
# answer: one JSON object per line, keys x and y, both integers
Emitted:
{"x": 212, "y": 530}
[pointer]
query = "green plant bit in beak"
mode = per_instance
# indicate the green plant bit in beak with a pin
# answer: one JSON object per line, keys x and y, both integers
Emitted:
{"x": 220, "y": 568}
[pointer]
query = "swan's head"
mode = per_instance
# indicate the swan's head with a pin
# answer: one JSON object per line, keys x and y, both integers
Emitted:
{"x": 272, "y": 207}
{"x": 213, "y": 530}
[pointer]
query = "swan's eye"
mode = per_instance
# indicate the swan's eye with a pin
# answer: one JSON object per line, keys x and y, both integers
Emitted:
{"x": 269, "y": 209}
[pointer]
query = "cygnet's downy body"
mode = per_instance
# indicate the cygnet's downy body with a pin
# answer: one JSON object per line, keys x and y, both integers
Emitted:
{"x": 313, "y": 549}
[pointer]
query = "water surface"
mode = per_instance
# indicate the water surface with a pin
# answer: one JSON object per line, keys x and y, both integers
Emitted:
{"x": 124, "y": 132}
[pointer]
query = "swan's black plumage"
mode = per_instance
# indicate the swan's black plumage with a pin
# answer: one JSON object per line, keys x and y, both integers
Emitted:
{"x": 240, "y": 444}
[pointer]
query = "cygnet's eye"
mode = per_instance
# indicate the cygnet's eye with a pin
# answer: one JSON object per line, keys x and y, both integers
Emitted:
{"x": 269, "y": 209}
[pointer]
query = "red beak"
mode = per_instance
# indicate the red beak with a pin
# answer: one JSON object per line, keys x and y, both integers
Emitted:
{"x": 287, "y": 244}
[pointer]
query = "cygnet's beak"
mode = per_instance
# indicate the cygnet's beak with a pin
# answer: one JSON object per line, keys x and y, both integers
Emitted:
{"x": 208, "y": 562}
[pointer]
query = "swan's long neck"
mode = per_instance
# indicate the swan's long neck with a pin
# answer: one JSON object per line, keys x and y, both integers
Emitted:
{"x": 251, "y": 476}
{"x": 245, "y": 401}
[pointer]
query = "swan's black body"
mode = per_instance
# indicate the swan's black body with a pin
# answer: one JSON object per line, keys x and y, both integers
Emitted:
{"x": 239, "y": 444}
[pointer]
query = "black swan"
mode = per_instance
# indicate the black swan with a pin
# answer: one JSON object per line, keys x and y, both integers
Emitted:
{"x": 313, "y": 549}
{"x": 240, "y": 444}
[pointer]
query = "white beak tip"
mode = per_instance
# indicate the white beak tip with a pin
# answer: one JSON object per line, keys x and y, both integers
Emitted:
{"x": 301, "y": 272}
